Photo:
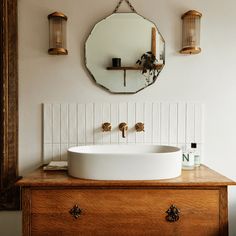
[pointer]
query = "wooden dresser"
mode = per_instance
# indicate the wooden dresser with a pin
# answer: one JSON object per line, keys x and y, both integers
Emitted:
{"x": 58, "y": 205}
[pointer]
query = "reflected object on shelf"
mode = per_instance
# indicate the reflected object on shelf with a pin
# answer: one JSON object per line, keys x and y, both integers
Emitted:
{"x": 116, "y": 62}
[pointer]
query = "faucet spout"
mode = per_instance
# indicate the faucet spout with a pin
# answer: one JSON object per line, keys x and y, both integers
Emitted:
{"x": 123, "y": 133}
{"x": 123, "y": 127}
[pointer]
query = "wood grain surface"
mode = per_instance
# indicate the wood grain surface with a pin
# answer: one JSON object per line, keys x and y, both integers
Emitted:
{"x": 200, "y": 177}
{"x": 125, "y": 212}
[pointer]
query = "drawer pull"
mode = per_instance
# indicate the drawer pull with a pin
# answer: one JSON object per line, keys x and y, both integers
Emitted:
{"x": 172, "y": 214}
{"x": 76, "y": 211}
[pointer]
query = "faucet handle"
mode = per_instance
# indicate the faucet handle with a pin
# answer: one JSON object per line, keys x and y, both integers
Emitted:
{"x": 106, "y": 127}
{"x": 139, "y": 127}
{"x": 123, "y": 126}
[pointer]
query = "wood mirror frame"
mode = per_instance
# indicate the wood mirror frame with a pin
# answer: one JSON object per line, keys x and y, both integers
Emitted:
{"x": 9, "y": 194}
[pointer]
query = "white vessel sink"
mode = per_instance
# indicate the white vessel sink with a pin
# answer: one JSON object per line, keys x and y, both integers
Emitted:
{"x": 124, "y": 162}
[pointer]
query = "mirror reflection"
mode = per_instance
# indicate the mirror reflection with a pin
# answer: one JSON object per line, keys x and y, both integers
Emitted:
{"x": 116, "y": 44}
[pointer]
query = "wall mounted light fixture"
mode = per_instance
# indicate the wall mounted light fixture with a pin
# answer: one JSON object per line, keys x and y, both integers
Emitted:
{"x": 191, "y": 32}
{"x": 57, "y": 34}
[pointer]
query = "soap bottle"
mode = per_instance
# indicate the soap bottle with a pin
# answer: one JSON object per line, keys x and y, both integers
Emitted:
{"x": 188, "y": 160}
{"x": 197, "y": 159}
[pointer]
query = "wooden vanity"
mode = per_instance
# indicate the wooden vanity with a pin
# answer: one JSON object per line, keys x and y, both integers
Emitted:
{"x": 193, "y": 204}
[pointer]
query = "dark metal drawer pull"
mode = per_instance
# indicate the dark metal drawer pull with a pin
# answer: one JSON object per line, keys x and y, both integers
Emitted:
{"x": 76, "y": 211}
{"x": 172, "y": 214}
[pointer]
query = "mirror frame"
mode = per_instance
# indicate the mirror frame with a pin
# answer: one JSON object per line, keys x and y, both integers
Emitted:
{"x": 91, "y": 74}
{"x": 9, "y": 193}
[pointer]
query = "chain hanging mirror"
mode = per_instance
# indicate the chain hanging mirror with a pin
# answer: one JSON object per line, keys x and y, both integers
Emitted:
{"x": 124, "y": 53}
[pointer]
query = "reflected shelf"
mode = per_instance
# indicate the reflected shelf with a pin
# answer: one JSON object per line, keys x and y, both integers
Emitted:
{"x": 131, "y": 67}
{"x": 125, "y": 68}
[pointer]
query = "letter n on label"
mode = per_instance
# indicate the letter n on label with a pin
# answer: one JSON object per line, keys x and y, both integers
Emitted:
{"x": 185, "y": 157}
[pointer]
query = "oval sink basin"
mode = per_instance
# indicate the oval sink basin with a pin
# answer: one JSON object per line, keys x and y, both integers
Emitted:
{"x": 124, "y": 162}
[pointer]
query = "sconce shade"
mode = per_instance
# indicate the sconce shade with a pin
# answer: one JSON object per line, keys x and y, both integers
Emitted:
{"x": 191, "y": 32}
{"x": 57, "y": 34}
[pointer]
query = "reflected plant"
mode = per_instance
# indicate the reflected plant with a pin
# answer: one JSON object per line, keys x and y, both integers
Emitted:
{"x": 148, "y": 62}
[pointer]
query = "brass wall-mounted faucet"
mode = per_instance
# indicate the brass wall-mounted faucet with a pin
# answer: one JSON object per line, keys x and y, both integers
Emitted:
{"x": 139, "y": 127}
{"x": 106, "y": 127}
{"x": 123, "y": 127}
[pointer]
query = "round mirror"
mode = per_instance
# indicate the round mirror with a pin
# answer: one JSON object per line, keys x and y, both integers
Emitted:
{"x": 115, "y": 52}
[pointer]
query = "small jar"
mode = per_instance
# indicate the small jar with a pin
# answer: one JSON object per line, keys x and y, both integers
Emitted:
{"x": 116, "y": 62}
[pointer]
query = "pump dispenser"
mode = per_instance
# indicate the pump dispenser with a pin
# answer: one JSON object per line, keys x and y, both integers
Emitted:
{"x": 197, "y": 159}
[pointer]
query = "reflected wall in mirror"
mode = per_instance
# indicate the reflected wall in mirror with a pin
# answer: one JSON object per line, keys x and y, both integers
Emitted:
{"x": 126, "y": 36}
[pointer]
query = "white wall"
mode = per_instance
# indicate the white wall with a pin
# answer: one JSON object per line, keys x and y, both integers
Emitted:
{"x": 208, "y": 77}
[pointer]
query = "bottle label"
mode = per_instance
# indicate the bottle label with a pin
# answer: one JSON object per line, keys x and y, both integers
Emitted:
{"x": 188, "y": 159}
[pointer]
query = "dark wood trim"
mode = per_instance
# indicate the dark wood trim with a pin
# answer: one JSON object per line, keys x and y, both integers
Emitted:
{"x": 26, "y": 216}
{"x": 9, "y": 193}
{"x": 223, "y": 211}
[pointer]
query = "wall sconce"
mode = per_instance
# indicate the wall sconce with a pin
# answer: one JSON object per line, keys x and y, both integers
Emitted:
{"x": 57, "y": 34}
{"x": 191, "y": 32}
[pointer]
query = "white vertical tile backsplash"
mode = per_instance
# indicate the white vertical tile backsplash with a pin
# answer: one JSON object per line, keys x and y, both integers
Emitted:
{"x": 131, "y": 120}
{"x": 114, "y": 122}
{"x": 181, "y": 118}
{"x": 190, "y": 123}
{"x": 64, "y": 124}
{"x": 98, "y": 120}
{"x": 56, "y": 124}
{"x": 148, "y": 123}
{"x": 165, "y": 122}
{"x": 72, "y": 125}
{"x": 156, "y": 123}
{"x": 198, "y": 119}
{"x": 81, "y": 124}
{"x": 139, "y": 118}
{"x": 173, "y": 125}
{"x": 47, "y": 121}
{"x": 89, "y": 123}
{"x": 67, "y": 125}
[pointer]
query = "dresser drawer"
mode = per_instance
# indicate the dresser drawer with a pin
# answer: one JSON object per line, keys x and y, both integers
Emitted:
{"x": 124, "y": 212}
